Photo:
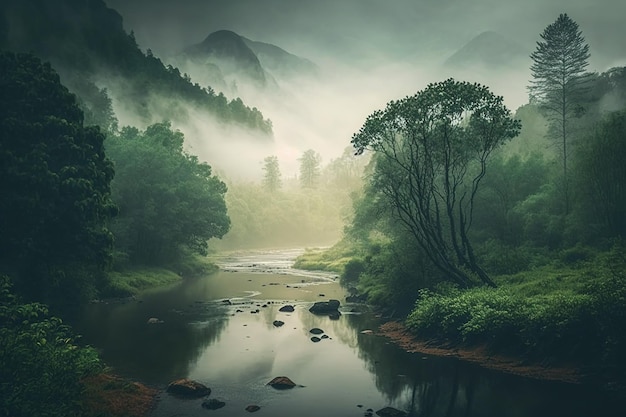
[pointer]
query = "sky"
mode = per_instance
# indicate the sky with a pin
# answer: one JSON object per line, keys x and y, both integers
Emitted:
{"x": 369, "y": 51}
{"x": 365, "y": 29}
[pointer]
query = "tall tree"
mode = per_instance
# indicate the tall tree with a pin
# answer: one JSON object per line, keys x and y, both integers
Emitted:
{"x": 272, "y": 177}
{"x": 431, "y": 153}
{"x": 54, "y": 182}
{"x": 559, "y": 82}
{"x": 310, "y": 169}
{"x": 167, "y": 199}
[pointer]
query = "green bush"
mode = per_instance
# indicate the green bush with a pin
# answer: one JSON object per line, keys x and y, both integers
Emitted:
{"x": 42, "y": 366}
{"x": 351, "y": 272}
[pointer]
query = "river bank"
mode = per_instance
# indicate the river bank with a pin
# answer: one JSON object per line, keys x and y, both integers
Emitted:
{"x": 481, "y": 355}
{"x": 113, "y": 396}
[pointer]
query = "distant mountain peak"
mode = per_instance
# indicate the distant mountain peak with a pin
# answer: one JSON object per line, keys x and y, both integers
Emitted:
{"x": 230, "y": 52}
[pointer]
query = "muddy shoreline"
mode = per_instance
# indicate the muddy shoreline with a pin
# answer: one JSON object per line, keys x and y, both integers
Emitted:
{"x": 399, "y": 334}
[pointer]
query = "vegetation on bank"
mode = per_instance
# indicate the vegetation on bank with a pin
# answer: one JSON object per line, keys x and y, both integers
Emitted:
{"x": 131, "y": 280}
{"x": 564, "y": 312}
{"x": 42, "y": 363}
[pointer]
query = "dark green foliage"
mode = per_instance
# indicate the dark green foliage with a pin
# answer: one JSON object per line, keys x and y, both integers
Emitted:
{"x": 506, "y": 186}
{"x": 578, "y": 318}
{"x": 54, "y": 181}
{"x": 601, "y": 176}
{"x": 431, "y": 153}
{"x": 352, "y": 271}
{"x": 167, "y": 198}
{"x": 392, "y": 279}
{"x": 41, "y": 364}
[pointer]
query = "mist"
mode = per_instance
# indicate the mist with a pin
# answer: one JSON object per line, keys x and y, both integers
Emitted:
{"x": 368, "y": 53}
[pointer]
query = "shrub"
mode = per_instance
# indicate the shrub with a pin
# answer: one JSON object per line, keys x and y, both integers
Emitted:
{"x": 351, "y": 272}
{"x": 41, "y": 364}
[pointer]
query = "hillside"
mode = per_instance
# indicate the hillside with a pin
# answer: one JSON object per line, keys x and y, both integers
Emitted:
{"x": 86, "y": 42}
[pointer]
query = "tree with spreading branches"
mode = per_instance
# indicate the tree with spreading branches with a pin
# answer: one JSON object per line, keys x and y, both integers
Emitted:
{"x": 431, "y": 152}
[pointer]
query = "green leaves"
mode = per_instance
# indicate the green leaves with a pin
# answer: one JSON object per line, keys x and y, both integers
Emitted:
{"x": 167, "y": 198}
{"x": 41, "y": 363}
{"x": 54, "y": 178}
{"x": 431, "y": 151}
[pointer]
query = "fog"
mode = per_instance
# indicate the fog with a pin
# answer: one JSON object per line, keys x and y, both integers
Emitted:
{"x": 368, "y": 52}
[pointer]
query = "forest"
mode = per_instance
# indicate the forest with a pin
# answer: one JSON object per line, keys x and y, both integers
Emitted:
{"x": 470, "y": 224}
{"x": 482, "y": 227}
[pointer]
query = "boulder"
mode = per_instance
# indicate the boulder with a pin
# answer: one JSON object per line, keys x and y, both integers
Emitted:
{"x": 282, "y": 382}
{"x": 154, "y": 320}
{"x": 213, "y": 404}
{"x": 316, "y": 330}
{"x": 252, "y": 408}
{"x": 286, "y": 309}
{"x": 188, "y": 388}
{"x": 315, "y": 339}
{"x": 278, "y": 323}
{"x": 325, "y": 307}
{"x": 390, "y": 412}
{"x": 334, "y": 315}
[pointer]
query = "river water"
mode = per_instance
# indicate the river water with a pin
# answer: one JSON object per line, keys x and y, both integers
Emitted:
{"x": 219, "y": 330}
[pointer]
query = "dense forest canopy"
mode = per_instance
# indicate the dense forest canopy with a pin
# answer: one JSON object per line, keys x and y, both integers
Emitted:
{"x": 55, "y": 184}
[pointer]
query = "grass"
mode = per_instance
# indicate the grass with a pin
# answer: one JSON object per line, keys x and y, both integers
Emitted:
{"x": 332, "y": 259}
{"x": 130, "y": 281}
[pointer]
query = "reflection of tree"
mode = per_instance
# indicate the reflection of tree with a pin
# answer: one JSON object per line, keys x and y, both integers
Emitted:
{"x": 156, "y": 353}
{"x": 423, "y": 387}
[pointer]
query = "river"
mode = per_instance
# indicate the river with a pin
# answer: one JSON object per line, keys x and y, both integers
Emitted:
{"x": 219, "y": 330}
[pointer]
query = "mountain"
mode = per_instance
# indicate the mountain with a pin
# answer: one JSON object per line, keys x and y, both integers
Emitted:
{"x": 237, "y": 65}
{"x": 279, "y": 62}
{"x": 86, "y": 43}
{"x": 231, "y": 54}
{"x": 489, "y": 50}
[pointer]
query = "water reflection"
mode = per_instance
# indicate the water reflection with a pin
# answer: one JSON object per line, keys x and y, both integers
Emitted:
{"x": 158, "y": 352}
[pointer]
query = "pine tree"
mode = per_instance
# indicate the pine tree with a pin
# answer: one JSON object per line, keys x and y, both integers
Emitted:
{"x": 559, "y": 81}
{"x": 310, "y": 169}
{"x": 272, "y": 178}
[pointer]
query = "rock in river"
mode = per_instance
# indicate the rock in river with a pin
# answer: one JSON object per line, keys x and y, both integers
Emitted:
{"x": 390, "y": 412}
{"x": 252, "y": 408}
{"x": 278, "y": 323}
{"x": 282, "y": 382}
{"x": 286, "y": 309}
{"x": 316, "y": 330}
{"x": 324, "y": 307}
{"x": 315, "y": 339}
{"x": 188, "y": 388}
{"x": 213, "y": 404}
